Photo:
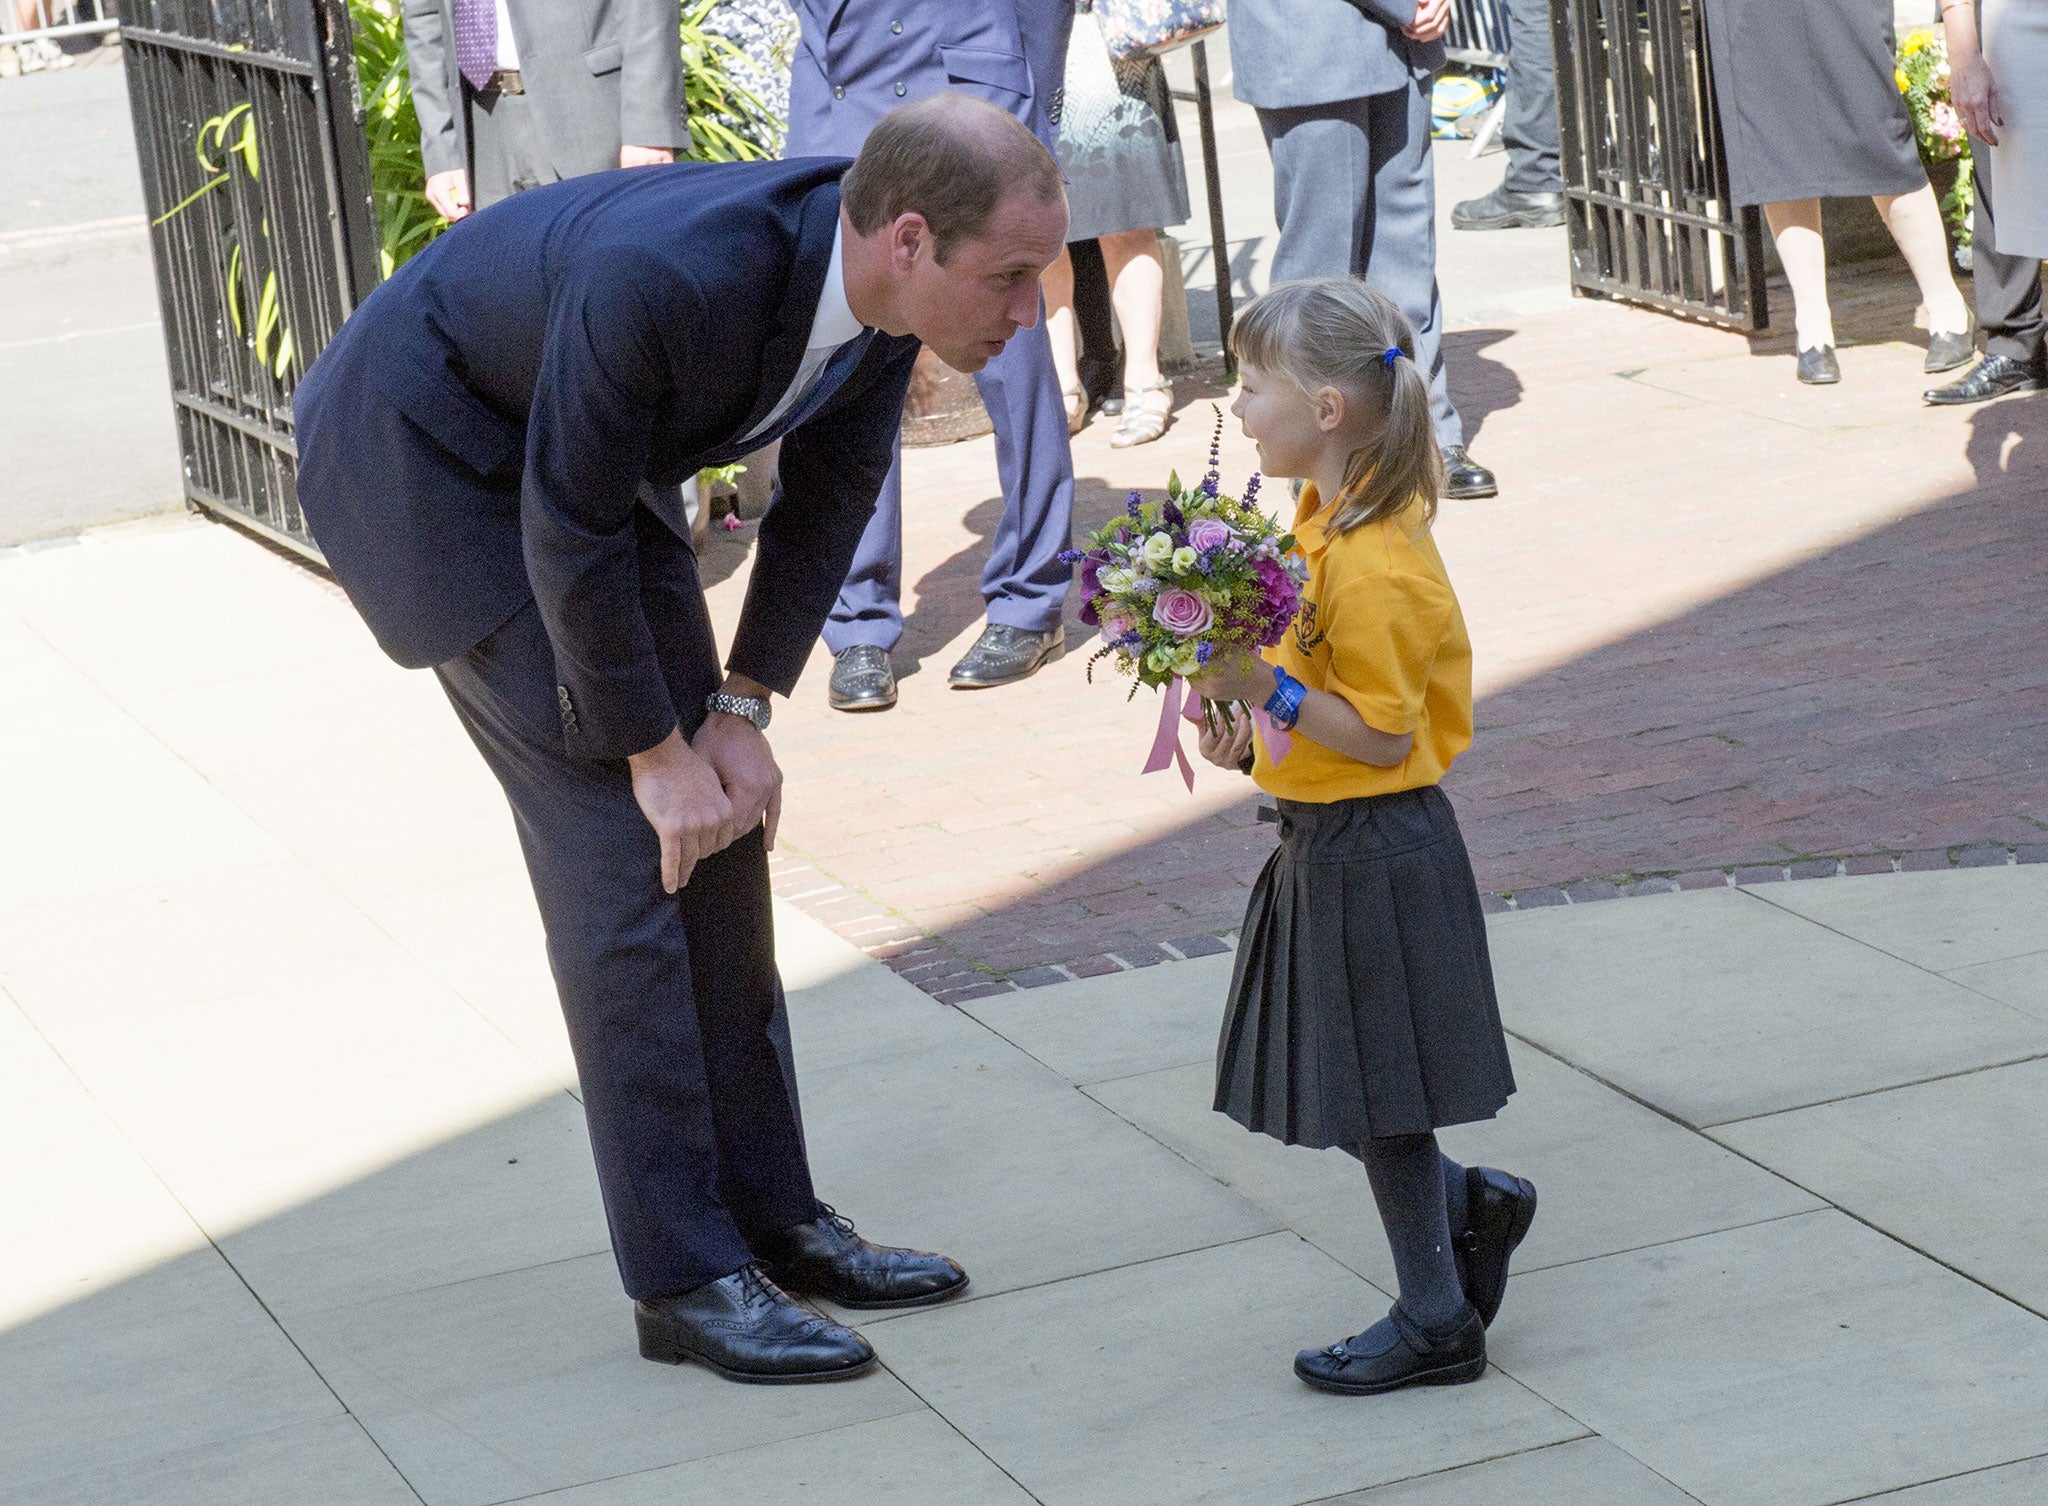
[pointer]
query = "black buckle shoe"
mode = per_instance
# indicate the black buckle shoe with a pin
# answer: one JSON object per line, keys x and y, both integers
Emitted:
{"x": 1417, "y": 1357}
{"x": 1004, "y": 655}
{"x": 1818, "y": 366}
{"x": 863, "y": 679}
{"x": 1499, "y": 1210}
{"x": 1947, "y": 352}
{"x": 1506, "y": 209}
{"x": 1994, "y": 376}
{"x": 746, "y": 1328}
{"x": 826, "y": 1258}
{"x": 1465, "y": 478}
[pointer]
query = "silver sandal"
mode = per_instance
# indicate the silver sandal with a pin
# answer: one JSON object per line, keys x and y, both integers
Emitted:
{"x": 1142, "y": 423}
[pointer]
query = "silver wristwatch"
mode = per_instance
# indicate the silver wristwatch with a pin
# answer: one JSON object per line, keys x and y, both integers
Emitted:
{"x": 753, "y": 708}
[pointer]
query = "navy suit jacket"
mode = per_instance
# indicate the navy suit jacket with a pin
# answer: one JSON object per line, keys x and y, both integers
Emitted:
{"x": 856, "y": 60}
{"x": 479, "y": 432}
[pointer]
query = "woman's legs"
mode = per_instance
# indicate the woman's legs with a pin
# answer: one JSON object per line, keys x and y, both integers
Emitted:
{"x": 1137, "y": 284}
{"x": 1914, "y": 220}
{"x": 1057, "y": 283}
{"x": 1795, "y": 229}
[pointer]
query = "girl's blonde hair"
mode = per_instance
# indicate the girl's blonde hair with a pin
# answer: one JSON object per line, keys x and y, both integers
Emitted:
{"x": 1336, "y": 332}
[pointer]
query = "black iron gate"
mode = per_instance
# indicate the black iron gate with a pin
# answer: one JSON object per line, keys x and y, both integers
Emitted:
{"x": 1646, "y": 181}
{"x": 257, "y": 184}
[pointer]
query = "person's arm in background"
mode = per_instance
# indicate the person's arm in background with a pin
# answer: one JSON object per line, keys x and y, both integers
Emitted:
{"x": 651, "y": 83}
{"x": 1970, "y": 84}
{"x": 426, "y": 55}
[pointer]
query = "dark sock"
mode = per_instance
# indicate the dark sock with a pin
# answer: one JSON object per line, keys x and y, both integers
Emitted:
{"x": 1460, "y": 1214}
{"x": 1407, "y": 1176}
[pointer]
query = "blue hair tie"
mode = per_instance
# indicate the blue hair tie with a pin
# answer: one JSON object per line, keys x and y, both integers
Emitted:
{"x": 1389, "y": 356}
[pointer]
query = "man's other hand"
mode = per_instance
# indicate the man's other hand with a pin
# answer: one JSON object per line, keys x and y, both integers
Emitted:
{"x": 746, "y": 767}
{"x": 449, "y": 193}
{"x": 1432, "y": 20}
{"x": 646, "y": 156}
{"x": 683, "y": 800}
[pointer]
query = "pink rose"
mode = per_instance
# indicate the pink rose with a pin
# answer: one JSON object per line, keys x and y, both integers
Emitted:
{"x": 1182, "y": 613}
{"x": 1205, "y": 534}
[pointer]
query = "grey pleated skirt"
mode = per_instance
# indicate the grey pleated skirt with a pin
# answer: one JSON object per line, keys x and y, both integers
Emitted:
{"x": 1362, "y": 1004}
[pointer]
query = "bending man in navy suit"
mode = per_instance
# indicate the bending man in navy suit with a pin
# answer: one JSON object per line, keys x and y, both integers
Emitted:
{"x": 857, "y": 60}
{"x": 487, "y": 456}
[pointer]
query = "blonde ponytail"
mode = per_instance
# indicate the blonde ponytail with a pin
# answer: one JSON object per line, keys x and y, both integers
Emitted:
{"x": 1341, "y": 332}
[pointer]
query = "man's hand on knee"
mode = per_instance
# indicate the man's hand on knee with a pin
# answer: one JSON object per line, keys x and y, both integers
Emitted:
{"x": 746, "y": 767}
{"x": 684, "y": 800}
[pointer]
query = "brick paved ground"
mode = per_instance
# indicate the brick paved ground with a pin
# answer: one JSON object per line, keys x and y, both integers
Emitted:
{"x": 1720, "y": 620}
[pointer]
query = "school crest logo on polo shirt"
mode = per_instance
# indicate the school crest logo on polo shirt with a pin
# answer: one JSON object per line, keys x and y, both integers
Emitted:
{"x": 1306, "y": 634}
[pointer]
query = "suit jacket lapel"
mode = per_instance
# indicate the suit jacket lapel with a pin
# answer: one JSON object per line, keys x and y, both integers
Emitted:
{"x": 785, "y": 352}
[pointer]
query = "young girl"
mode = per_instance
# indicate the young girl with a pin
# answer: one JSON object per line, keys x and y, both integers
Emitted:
{"x": 1362, "y": 1012}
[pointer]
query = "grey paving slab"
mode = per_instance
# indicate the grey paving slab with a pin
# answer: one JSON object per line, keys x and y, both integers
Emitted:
{"x": 171, "y": 1358}
{"x": 1171, "y": 1383}
{"x": 1939, "y": 920}
{"x": 1118, "y": 1025}
{"x": 518, "y": 1384}
{"x": 2022, "y": 1484}
{"x": 1791, "y": 1363}
{"x": 1584, "y": 1472}
{"x": 1946, "y": 1166}
{"x": 328, "y": 1463}
{"x": 1610, "y": 1175}
{"x": 970, "y": 1147}
{"x": 911, "y": 1460}
{"x": 2020, "y": 981}
{"x": 1715, "y": 1005}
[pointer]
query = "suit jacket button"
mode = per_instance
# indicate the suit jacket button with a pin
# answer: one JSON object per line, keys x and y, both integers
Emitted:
{"x": 897, "y": 27}
{"x": 839, "y": 93}
{"x": 901, "y": 90}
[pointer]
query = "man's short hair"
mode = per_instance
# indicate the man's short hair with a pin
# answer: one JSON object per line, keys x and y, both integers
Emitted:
{"x": 950, "y": 158}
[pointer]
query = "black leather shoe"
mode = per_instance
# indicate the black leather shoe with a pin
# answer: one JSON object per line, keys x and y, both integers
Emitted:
{"x": 825, "y": 1258}
{"x": 1004, "y": 655}
{"x": 1499, "y": 1210}
{"x": 1994, "y": 376}
{"x": 863, "y": 679}
{"x": 1947, "y": 352}
{"x": 1818, "y": 367}
{"x": 1465, "y": 478}
{"x": 1505, "y": 209}
{"x": 747, "y": 1328}
{"x": 1417, "y": 1357}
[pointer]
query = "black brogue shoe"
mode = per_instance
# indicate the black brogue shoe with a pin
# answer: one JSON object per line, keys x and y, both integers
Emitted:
{"x": 1003, "y": 655}
{"x": 746, "y": 1328}
{"x": 826, "y": 1258}
{"x": 1994, "y": 376}
{"x": 863, "y": 679}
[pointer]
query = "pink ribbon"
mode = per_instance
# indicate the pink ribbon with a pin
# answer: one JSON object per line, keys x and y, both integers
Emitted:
{"x": 1177, "y": 705}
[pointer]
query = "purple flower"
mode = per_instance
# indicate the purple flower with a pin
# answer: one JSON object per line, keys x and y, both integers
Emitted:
{"x": 1072, "y": 556}
{"x": 1203, "y": 651}
{"x": 1251, "y": 490}
{"x": 1182, "y": 613}
{"x": 1207, "y": 533}
{"x": 1173, "y": 515}
{"x": 1091, "y": 587}
{"x": 1134, "y": 502}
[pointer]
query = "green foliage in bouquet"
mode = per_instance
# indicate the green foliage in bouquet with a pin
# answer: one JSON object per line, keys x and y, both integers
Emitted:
{"x": 725, "y": 119}
{"x": 1922, "y": 76}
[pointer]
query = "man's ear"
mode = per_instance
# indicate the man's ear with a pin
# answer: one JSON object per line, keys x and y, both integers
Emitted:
{"x": 908, "y": 236}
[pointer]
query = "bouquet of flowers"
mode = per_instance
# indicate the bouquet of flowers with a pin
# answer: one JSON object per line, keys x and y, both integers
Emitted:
{"x": 1173, "y": 582}
{"x": 1922, "y": 76}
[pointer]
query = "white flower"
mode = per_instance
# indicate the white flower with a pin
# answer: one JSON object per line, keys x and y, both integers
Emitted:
{"x": 1184, "y": 558}
{"x": 1187, "y": 659}
{"x": 1117, "y": 580}
{"x": 1158, "y": 549}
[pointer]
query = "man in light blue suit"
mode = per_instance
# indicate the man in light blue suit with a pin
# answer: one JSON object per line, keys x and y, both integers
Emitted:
{"x": 1342, "y": 92}
{"x": 856, "y": 61}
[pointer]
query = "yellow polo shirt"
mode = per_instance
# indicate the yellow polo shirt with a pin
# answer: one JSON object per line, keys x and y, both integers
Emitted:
{"x": 1378, "y": 625}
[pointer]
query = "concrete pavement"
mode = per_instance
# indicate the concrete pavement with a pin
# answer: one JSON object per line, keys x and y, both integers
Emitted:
{"x": 299, "y": 1207}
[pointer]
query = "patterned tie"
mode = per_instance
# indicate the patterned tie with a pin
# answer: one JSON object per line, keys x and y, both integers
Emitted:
{"x": 476, "y": 40}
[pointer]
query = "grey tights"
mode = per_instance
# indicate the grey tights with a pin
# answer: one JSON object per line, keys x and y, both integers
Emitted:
{"x": 1420, "y": 1193}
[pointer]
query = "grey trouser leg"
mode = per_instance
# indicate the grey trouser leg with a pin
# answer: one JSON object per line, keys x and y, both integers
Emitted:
{"x": 1530, "y": 130}
{"x": 2008, "y": 288}
{"x": 506, "y": 153}
{"x": 1353, "y": 195}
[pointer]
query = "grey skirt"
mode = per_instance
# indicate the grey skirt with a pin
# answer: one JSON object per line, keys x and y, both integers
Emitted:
{"x": 1363, "y": 1004}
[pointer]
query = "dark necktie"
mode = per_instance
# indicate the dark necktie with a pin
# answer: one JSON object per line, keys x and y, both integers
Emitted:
{"x": 476, "y": 40}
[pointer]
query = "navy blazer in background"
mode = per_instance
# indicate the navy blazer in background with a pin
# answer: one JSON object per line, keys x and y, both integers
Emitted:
{"x": 1013, "y": 55}
{"x": 1285, "y": 54}
{"x": 478, "y": 432}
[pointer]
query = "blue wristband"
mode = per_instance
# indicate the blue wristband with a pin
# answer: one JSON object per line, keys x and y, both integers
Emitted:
{"x": 1284, "y": 705}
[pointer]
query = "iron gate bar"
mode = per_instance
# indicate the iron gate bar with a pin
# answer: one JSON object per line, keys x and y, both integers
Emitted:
{"x": 256, "y": 179}
{"x": 1646, "y": 179}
